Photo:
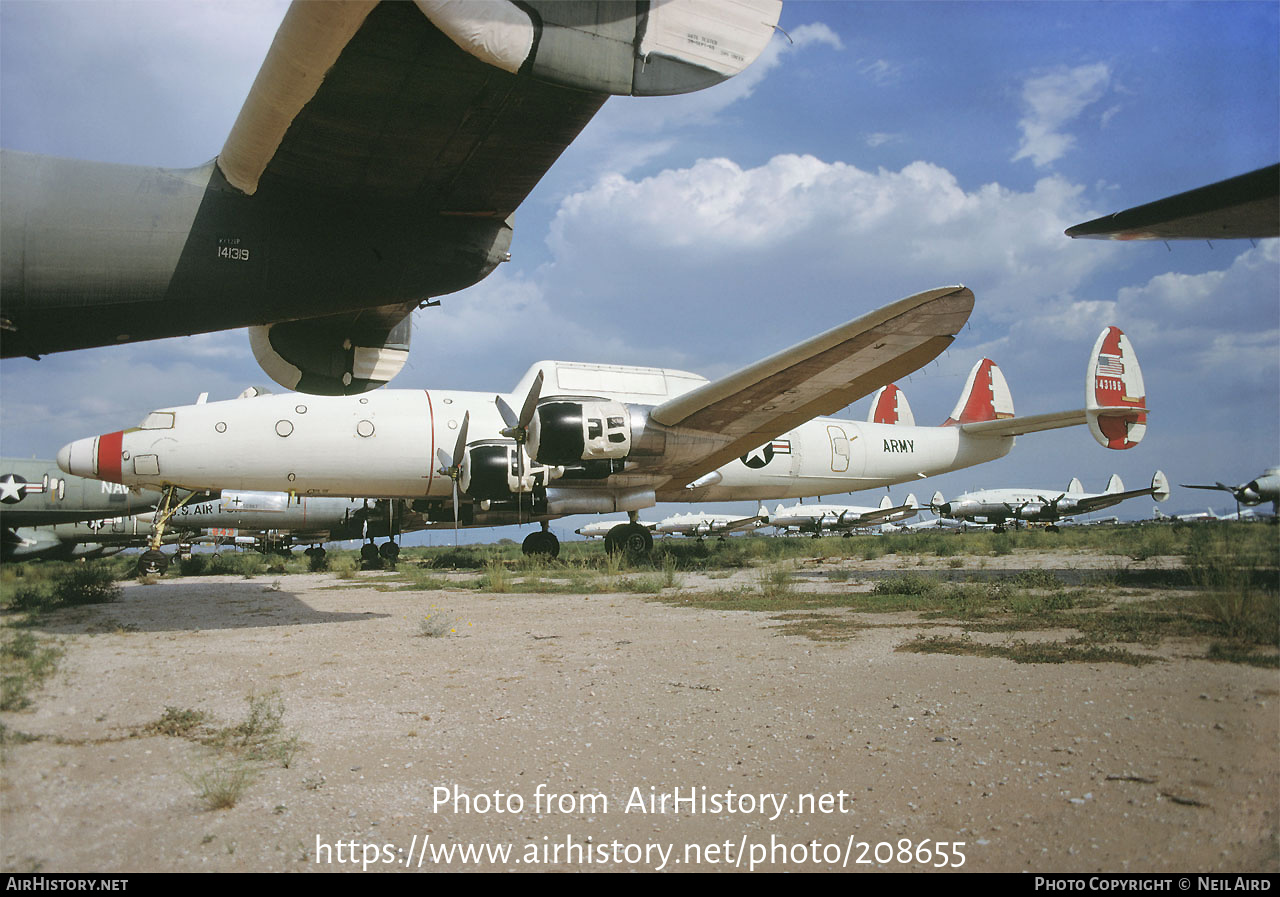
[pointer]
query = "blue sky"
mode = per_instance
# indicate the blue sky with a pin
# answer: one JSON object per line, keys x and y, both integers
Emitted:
{"x": 887, "y": 148}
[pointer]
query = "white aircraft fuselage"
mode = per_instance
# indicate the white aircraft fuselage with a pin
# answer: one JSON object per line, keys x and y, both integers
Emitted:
{"x": 383, "y": 444}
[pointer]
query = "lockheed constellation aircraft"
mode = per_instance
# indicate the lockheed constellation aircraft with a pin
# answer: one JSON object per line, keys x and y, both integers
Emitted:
{"x": 997, "y": 506}
{"x": 599, "y": 439}
{"x": 828, "y": 518}
{"x": 702, "y": 523}
{"x": 376, "y": 163}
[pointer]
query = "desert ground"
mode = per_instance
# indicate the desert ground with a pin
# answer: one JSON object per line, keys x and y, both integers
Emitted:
{"x": 553, "y": 727}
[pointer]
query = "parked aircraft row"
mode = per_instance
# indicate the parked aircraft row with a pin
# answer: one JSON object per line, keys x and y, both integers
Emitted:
{"x": 998, "y": 506}
{"x": 593, "y": 438}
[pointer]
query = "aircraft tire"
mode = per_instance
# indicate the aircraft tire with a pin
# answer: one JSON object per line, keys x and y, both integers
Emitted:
{"x": 389, "y": 551}
{"x": 629, "y": 539}
{"x": 369, "y": 552}
{"x": 153, "y": 563}
{"x": 541, "y": 543}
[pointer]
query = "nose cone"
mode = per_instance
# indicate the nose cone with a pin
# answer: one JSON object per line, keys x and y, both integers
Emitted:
{"x": 79, "y": 458}
{"x": 96, "y": 456}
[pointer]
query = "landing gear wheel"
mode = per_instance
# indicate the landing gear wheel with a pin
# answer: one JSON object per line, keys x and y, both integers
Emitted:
{"x": 629, "y": 539}
{"x": 153, "y": 563}
{"x": 369, "y": 557}
{"x": 389, "y": 551}
{"x": 1052, "y": 528}
{"x": 541, "y": 543}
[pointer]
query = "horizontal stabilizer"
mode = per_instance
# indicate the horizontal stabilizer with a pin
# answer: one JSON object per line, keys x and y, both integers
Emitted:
{"x": 1031, "y": 423}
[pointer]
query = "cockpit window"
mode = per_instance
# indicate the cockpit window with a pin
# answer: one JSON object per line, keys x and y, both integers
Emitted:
{"x": 157, "y": 420}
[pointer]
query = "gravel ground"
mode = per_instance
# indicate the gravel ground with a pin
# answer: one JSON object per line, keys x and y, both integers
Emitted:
{"x": 554, "y": 726}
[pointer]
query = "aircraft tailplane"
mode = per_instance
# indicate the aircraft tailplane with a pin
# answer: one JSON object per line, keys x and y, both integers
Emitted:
{"x": 1115, "y": 399}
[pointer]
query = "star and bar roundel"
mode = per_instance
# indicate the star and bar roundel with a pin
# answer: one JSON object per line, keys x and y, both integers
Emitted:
{"x": 14, "y": 488}
{"x": 760, "y": 457}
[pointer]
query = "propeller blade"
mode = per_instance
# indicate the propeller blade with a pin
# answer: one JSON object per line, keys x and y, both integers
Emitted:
{"x": 508, "y": 416}
{"x": 531, "y": 401}
{"x": 445, "y": 461}
{"x": 455, "y": 512}
{"x": 517, "y": 427}
{"x": 461, "y": 445}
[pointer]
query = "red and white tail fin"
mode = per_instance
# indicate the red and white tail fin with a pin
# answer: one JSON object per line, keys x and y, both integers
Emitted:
{"x": 986, "y": 396}
{"x": 1115, "y": 397}
{"x": 889, "y": 406}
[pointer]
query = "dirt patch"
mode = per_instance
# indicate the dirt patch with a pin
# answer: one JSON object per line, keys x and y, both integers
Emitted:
{"x": 612, "y": 703}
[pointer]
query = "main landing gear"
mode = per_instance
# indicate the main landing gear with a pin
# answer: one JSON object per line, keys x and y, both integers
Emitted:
{"x": 543, "y": 542}
{"x": 373, "y": 556}
{"x": 629, "y": 539}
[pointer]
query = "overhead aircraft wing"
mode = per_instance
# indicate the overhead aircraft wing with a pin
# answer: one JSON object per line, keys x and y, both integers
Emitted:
{"x": 735, "y": 414}
{"x": 1247, "y": 206}
{"x": 453, "y": 109}
{"x": 375, "y": 163}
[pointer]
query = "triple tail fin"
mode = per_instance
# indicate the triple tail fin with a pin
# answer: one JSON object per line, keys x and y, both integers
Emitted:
{"x": 986, "y": 396}
{"x": 889, "y": 406}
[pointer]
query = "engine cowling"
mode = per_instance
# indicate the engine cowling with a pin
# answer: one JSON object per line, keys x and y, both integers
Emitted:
{"x": 491, "y": 472}
{"x": 566, "y": 431}
{"x": 333, "y": 355}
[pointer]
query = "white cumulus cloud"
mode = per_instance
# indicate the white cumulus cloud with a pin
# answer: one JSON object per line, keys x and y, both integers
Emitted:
{"x": 1053, "y": 101}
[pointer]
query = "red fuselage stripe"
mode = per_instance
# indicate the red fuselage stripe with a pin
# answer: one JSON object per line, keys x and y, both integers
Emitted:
{"x": 109, "y": 448}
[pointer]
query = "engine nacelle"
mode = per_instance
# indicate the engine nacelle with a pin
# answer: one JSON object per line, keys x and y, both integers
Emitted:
{"x": 1033, "y": 510}
{"x": 491, "y": 471}
{"x": 565, "y": 431}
